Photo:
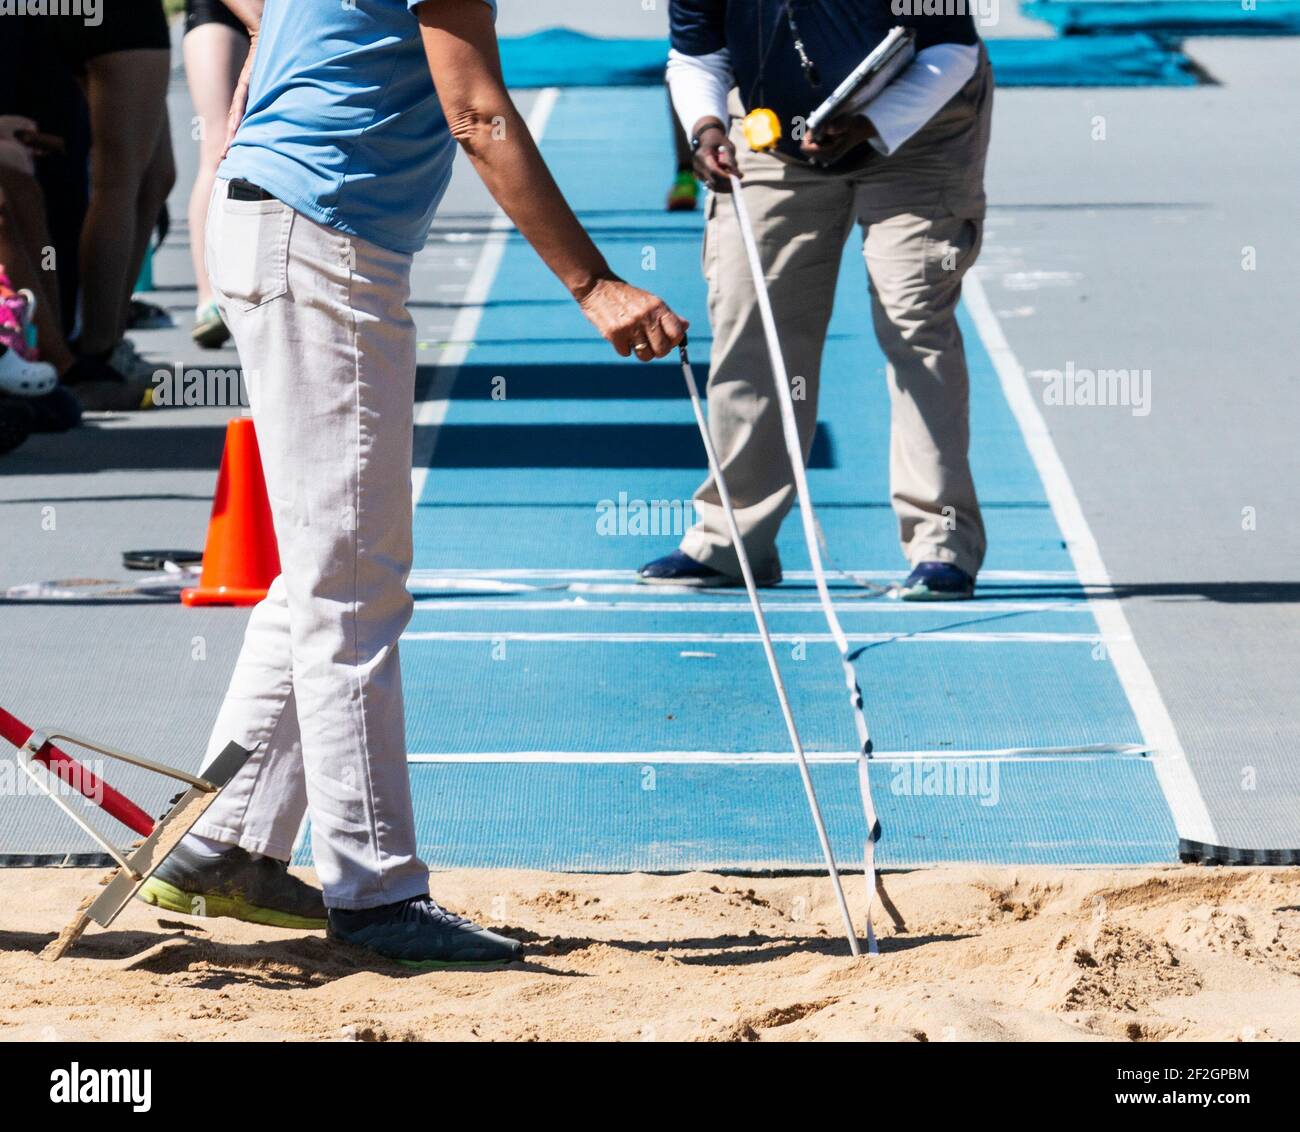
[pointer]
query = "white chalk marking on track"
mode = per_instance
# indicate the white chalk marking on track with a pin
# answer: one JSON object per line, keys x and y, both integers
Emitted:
{"x": 739, "y": 608}
{"x": 430, "y": 413}
{"x": 1091, "y": 753}
{"x": 913, "y": 637}
{"x": 432, "y": 588}
{"x": 1182, "y": 793}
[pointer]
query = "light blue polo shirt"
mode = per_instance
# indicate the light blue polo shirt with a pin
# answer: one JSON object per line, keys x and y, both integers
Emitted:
{"x": 343, "y": 123}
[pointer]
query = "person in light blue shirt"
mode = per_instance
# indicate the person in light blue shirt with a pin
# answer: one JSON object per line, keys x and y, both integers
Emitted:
{"x": 343, "y": 132}
{"x": 343, "y": 122}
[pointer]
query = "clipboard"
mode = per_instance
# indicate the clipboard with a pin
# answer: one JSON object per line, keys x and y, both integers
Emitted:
{"x": 868, "y": 79}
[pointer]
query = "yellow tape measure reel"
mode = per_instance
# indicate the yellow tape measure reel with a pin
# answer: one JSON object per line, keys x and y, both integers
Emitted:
{"x": 762, "y": 129}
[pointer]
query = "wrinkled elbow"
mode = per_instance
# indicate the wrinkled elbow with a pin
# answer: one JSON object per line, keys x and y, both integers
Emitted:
{"x": 470, "y": 125}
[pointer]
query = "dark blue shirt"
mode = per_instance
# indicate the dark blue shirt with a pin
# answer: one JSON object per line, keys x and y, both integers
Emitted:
{"x": 837, "y": 35}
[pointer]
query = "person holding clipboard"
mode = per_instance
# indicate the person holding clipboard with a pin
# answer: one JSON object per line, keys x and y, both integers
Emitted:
{"x": 907, "y": 168}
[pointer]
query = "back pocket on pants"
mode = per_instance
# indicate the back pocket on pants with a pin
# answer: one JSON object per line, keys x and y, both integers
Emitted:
{"x": 251, "y": 264}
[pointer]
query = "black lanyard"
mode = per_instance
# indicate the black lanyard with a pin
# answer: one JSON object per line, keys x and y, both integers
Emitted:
{"x": 810, "y": 72}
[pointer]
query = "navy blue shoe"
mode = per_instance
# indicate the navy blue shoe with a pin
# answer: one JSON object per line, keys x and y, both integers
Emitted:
{"x": 936, "y": 581}
{"x": 419, "y": 933}
{"x": 678, "y": 569}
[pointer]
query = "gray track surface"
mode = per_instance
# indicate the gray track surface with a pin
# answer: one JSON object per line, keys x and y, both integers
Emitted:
{"x": 1137, "y": 242}
{"x": 1146, "y": 231}
{"x": 149, "y": 678}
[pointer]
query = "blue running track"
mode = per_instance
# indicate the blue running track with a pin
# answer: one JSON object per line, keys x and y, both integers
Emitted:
{"x": 562, "y": 718}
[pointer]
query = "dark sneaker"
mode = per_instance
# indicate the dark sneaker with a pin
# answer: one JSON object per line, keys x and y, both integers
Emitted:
{"x": 149, "y": 316}
{"x": 100, "y": 388}
{"x": 936, "y": 581}
{"x": 58, "y": 411}
{"x": 678, "y": 569}
{"x": 419, "y": 933}
{"x": 113, "y": 397}
{"x": 258, "y": 890}
{"x": 16, "y": 421}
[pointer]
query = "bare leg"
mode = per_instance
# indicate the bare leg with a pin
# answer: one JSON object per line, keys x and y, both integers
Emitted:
{"x": 127, "y": 93}
{"x": 159, "y": 177}
{"x": 214, "y": 55}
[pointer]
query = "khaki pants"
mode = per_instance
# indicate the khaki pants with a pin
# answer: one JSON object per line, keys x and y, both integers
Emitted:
{"x": 921, "y": 211}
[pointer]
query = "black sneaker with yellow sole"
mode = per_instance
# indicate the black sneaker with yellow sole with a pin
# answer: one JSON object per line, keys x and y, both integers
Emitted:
{"x": 257, "y": 890}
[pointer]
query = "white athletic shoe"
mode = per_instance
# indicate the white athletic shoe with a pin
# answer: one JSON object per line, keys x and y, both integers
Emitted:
{"x": 21, "y": 378}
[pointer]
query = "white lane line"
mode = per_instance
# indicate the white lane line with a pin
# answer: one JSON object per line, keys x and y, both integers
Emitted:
{"x": 740, "y": 608}
{"x": 1183, "y": 794}
{"x": 1092, "y": 753}
{"x": 915, "y": 637}
{"x": 430, "y": 413}
{"x": 580, "y": 574}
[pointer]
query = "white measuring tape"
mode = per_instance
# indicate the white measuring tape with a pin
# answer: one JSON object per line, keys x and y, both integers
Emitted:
{"x": 715, "y": 469}
{"x": 794, "y": 449}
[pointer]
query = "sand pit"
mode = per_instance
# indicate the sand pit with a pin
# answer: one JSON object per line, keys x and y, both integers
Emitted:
{"x": 990, "y": 954}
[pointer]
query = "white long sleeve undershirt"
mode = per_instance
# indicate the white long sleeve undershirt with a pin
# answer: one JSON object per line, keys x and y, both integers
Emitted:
{"x": 700, "y": 83}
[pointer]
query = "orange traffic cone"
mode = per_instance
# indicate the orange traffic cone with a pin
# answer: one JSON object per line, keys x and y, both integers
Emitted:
{"x": 241, "y": 559}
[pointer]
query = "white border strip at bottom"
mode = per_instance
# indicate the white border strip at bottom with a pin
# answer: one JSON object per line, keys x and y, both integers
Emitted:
{"x": 1191, "y": 816}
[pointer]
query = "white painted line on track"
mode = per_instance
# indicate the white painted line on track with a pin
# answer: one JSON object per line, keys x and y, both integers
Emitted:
{"x": 740, "y": 608}
{"x": 584, "y": 574}
{"x": 1092, "y": 753}
{"x": 1183, "y": 794}
{"x": 914, "y": 637}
